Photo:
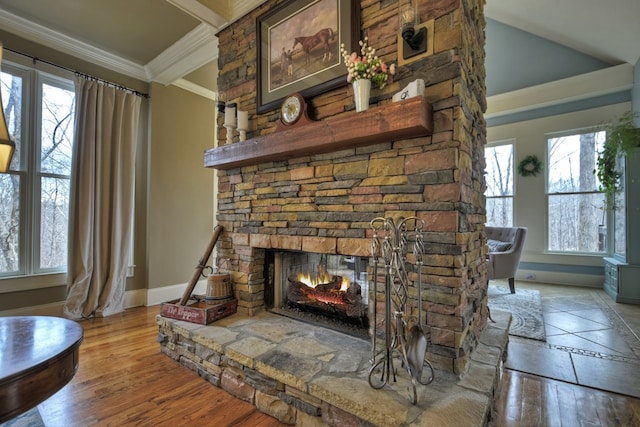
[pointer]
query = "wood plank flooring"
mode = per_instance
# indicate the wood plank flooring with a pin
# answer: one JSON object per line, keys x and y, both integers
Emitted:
{"x": 529, "y": 400}
{"x": 124, "y": 380}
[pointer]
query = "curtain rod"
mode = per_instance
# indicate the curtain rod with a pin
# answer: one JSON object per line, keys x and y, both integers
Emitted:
{"x": 78, "y": 73}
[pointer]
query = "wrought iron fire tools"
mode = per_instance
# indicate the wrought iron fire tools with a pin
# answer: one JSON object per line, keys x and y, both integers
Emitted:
{"x": 390, "y": 246}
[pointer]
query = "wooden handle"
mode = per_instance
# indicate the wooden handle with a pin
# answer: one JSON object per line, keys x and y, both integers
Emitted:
{"x": 201, "y": 265}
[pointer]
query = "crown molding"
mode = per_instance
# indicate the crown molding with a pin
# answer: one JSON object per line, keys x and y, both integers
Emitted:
{"x": 239, "y": 8}
{"x": 197, "y": 48}
{"x": 63, "y": 43}
{"x": 194, "y": 50}
{"x": 196, "y": 88}
{"x": 200, "y": 12}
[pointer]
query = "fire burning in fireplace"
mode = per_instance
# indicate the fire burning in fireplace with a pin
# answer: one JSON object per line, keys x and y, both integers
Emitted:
{"x": 322, "y": 287}
{"x": 319, "y": 278}
{"x": 325, "y": 289}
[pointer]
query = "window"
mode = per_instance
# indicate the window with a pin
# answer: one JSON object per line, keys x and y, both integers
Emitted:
{"x": 34, "y": 195}
{"x": 576, "y": 220}
{"x": 499, "y": 178}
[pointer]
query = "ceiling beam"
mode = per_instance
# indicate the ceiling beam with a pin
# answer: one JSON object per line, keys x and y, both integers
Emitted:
{"x": 197, "y": 48}
{"x": 201, "y": 12}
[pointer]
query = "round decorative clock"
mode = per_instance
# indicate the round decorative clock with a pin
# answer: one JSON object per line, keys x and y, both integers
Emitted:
{"x": 293, "y": 107}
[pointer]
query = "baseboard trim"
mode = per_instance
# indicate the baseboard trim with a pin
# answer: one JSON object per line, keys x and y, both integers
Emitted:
{"x": 157, "y": 296}
{"x": 560, "y": 278}
{"x": 53, "y": 309}
{"x": 133, "y": 298}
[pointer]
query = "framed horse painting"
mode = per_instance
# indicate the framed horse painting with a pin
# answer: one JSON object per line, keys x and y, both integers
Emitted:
{"x": 299, "y": 48}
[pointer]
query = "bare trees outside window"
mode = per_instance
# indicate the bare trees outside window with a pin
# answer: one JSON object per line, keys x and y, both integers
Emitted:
{"x": 499, "y": 179}
{"x": 10, "y": 227}
{"x": 34, "y": 195}
{"x": 576, "y": 221}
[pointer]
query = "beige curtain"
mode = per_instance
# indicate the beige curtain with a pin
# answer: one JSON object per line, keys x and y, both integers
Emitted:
{"x": 102, "y": 196}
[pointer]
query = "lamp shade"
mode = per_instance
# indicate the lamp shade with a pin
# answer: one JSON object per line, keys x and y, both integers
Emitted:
{"x": 7, "y": 146}
{"x": 408, "y": 17}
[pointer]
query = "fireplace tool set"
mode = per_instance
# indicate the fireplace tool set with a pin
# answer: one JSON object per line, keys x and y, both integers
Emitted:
{"x": 398, "y": 248}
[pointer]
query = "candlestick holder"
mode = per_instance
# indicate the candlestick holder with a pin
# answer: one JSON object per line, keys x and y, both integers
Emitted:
{"x": 229, "y": 129}
{"x": 243, "y": 124}
{"x": 230, "y": 120}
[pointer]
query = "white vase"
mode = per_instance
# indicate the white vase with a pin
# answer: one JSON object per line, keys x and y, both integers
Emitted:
{"x": 361, "y": 92}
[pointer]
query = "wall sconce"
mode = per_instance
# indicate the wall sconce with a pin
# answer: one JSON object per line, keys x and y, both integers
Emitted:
{"x": 414, "y": 43}
{"x": 7, "y": 146}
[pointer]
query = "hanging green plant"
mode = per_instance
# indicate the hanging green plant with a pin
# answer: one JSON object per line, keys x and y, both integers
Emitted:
{"x": 530, "y": 166}
{"x": 622, "y": 136}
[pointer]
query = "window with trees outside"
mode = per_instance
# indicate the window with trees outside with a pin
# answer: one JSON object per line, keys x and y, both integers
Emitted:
{"x": 499, "y": 179}
{"x": 34, "y": 195}
{"x": 576, "y": 220}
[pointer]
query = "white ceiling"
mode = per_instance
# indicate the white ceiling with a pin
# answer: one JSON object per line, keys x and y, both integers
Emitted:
{"x": 164, "y": 40}
{"x": 606, "y": 29}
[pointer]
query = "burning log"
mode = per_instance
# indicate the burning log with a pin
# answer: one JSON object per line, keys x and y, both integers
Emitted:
{"x": 332, "y": 296}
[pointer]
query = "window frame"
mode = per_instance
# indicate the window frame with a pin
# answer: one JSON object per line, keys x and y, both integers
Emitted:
{"x": 34, "y": 76}
{"x": 608, "y": 220}
{"x": 494, "y": 144}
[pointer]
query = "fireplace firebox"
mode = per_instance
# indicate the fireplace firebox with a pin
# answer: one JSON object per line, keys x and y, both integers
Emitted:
{"x": 324, "y": 289}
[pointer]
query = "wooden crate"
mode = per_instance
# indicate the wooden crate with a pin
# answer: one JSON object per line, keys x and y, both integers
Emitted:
{"x": 197, "y": 311}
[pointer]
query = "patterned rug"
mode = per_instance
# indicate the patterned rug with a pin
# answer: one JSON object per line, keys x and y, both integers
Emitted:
{"x": 31, "y": 418}
{"x": 525, "y": 307}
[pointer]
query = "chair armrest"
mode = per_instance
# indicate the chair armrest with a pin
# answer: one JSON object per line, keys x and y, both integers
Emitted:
{"x": 504, "y": 264}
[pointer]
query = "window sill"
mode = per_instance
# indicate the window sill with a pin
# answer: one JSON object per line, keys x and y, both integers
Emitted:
{"x": 31, "y": 282}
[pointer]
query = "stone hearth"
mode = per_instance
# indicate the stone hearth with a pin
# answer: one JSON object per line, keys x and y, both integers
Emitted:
{"x": 307, "y": 375}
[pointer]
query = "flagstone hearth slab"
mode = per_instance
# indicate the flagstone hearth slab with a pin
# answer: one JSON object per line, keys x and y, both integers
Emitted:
{"x": 246, "y": 350}
{"x": 319, "y": 369}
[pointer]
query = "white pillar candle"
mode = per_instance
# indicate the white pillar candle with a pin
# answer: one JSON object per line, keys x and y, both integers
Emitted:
{"x": 230, "y": 115}
{"x": 243, "y": 120}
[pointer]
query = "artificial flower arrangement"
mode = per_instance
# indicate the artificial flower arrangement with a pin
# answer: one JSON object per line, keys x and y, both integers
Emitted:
{"x": 367, "y": 65}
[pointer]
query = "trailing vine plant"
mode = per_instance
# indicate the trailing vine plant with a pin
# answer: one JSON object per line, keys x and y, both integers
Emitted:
{"x": 621, "y": 137}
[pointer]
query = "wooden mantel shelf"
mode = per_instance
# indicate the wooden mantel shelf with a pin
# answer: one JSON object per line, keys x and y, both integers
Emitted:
{"x": 390, "y": 122}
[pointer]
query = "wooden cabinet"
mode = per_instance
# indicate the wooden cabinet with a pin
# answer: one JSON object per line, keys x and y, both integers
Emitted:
{"x": 622, "y": 270}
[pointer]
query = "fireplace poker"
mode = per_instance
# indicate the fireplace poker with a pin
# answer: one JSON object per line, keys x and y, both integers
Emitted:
{"x": 375, "y": 251}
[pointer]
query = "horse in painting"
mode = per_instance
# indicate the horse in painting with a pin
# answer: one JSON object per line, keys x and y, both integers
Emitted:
{"x": 322, "y": 37}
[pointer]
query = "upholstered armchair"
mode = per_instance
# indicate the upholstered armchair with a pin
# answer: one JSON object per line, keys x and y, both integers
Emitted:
{"x": 505, "y": 247}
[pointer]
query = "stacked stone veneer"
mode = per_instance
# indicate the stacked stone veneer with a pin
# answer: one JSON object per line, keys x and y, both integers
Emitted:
{"x": 312, "y": 376}
{"x": 324, "y": 203}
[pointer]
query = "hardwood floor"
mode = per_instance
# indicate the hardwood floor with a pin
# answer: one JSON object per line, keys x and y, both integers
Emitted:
{"x": 529, "y": 400}
{"x": 124, "y": 380}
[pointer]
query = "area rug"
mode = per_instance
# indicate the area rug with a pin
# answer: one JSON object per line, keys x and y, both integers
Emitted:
{"x": 31, "y": 418}
{"x": 525, "y": 307}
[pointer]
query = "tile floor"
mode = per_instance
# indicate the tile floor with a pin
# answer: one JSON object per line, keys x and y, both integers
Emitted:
{"x": 591, "y": 340}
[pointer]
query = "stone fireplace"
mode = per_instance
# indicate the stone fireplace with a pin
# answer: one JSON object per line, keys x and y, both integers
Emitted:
{"x": 315, "y": 189}
{"x": 420, "y": 157}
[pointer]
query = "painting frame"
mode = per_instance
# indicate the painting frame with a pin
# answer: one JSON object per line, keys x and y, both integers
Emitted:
{"x": 274, "y": 79}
